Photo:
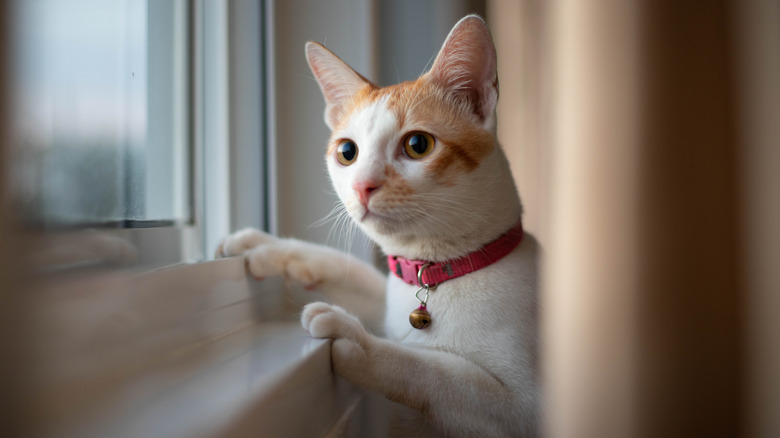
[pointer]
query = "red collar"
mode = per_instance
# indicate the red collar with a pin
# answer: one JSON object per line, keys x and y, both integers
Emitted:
{"x": 439, "y": 272}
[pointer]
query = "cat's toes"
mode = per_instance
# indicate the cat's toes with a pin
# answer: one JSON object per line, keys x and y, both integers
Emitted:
{"x": 264, "y": 261}
{"x": 323, "y": 320}
{"x": 270, "y": 260}
{"x": 300, "y": 272}
{"x": 311, "y": 311}
{"x": 242, "y": 241}
{"x": 219, "y": 253}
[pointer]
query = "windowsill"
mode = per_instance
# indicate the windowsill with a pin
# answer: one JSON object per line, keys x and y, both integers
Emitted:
{"x": 216, "y": 387}
{"x": 192, "y": 351}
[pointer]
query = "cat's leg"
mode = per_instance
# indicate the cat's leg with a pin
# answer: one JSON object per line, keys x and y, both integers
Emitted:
{"x": 344, "y": 279}
{"x": 458, "y": 396}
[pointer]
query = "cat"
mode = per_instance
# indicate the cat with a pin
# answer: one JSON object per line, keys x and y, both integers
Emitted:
{"x": 418, "y": 168}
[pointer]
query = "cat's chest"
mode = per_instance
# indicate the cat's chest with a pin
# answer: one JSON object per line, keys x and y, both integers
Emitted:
{"x": 450, "y": 307}
{"x": 401, "y": 302}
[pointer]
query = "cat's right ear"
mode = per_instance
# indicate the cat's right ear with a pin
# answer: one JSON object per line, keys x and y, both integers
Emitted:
{"x": 338, "y": 82}
{"x": 466, "y": 66}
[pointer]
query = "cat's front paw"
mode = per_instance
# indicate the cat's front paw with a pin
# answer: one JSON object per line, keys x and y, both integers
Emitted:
{"x": 267, "y": 256}
{"x": 242, "y": 241}
{"x": 351, "y": 347}
{"x": 283, "y": 258}
{"x": 323, "y": 320}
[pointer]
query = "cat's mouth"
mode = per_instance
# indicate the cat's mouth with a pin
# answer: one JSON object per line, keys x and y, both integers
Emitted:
{"x": 377, "y": 222}
{"x": 380, "y": 221}
{"x": 366, "y": 214}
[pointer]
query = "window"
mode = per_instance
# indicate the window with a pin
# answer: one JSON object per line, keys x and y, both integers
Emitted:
{"x": 102, "y": 98}
{"x": 140, "y": 114}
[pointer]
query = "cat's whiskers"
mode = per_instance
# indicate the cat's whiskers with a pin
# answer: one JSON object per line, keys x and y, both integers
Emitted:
{"x": 337, "y": 209}
{"x": 340, "y": 218}
{"x": 435, "y": 205}
{"x": 424, "y": 213}
{"x": 348, "y": 235}
{"x": 342, "y": 221}
{"x": 345, "y": 226}
{"x": 437, "y": 202}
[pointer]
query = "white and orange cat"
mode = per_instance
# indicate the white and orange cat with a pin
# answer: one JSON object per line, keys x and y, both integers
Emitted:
{"x": 418, "y": 167}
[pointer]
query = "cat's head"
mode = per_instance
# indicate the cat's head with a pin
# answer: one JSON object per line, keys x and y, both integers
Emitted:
{"x": 417, "y": 164}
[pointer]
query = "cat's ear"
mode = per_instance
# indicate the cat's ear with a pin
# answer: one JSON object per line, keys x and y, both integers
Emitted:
{"x": 338, "y": 82}
{"x": 466, "y": 66}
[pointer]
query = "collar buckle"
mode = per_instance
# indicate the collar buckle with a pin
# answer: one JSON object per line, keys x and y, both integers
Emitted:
{"x": 420, "y": 274}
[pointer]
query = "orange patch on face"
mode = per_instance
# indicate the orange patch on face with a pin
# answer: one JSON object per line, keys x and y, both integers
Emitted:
{"x": 462, "y": 143}
{"x": 461, "y": 153}
{"x": 396, "y": 183}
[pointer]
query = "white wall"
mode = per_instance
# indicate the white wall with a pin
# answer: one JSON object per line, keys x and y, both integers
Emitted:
{"x": 303, "y": 191}
{"x": 411, "y": 32}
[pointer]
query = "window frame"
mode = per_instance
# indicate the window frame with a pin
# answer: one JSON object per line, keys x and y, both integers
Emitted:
{"x": 226, "y": 137}
{"x": 230, "y": 127}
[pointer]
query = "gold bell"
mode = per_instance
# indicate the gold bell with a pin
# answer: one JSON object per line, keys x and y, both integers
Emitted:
{"x": 420, "y": 318}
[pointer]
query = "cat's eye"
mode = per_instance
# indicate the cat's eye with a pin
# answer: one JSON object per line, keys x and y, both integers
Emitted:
{"x": 418, "y": 144}
{"x": 346, "y": 152}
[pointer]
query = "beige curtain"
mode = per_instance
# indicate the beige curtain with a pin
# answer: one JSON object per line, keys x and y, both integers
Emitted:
{"x": 645, "y": 141}
{"x": 11, "y": 301}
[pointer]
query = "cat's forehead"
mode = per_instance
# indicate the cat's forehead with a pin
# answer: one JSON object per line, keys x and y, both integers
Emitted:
{"x": 370, "y": 125}
{"x": 389, "y": 107}
{"x": 373, "y": 117}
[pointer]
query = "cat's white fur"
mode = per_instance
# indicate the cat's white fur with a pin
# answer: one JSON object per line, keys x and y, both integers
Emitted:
{"x": 472, "y": 372}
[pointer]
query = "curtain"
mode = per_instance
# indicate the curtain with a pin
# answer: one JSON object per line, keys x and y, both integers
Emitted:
{"x": 644, "y": 139}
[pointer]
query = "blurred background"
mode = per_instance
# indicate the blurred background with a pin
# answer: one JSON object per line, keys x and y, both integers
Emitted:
{"x": 643, "y": 136}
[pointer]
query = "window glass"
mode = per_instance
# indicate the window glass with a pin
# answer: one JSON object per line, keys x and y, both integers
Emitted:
{"x": 101, "y": 107}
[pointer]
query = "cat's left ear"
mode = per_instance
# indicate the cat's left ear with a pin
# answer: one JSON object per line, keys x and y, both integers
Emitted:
{"x": 466, "y": 66}
{"x": 338, "y": 82}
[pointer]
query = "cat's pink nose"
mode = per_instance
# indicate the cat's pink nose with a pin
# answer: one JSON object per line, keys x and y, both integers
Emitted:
{"x": 365, "y": 189}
